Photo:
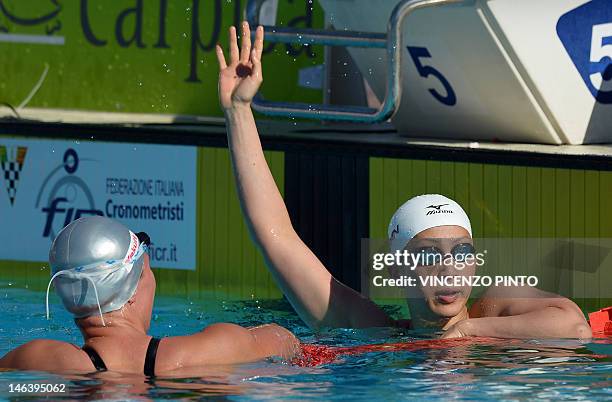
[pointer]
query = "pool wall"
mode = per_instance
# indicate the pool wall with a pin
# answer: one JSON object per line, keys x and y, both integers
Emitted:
{"x": 339, "y": 192}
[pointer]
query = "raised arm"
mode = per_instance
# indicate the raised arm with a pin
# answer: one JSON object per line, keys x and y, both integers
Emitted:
{"x": 318, "y": 298}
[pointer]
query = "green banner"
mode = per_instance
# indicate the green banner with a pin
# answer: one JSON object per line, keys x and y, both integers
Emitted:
{"x": 132, "y": 56}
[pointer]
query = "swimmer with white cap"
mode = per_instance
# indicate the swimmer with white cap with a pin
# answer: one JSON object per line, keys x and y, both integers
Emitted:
{"x": 320, "y": 299}
{"x": 101, "y": 272}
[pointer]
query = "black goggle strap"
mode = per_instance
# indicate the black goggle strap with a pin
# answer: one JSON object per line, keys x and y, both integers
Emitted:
{"x": 144, "y": 238}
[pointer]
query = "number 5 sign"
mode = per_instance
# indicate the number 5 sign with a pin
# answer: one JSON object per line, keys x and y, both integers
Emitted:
{"x": 586, "y": 33}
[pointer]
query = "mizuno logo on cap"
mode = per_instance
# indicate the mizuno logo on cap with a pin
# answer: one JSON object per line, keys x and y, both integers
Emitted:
{"x": 437, "y": 209}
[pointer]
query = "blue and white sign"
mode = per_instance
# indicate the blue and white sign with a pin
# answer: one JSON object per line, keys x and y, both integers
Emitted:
{"x": 586, "y": 33}
{"x": 44, "y": 185}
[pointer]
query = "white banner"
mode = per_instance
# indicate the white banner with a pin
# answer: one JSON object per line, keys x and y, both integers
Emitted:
{"x": 46, "y": 184}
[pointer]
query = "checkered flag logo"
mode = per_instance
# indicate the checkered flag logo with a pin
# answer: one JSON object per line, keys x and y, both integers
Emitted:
{"x": 11, "y": 160}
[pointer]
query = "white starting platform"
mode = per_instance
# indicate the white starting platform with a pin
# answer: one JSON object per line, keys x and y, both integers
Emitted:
{"x": 529, "y": 71}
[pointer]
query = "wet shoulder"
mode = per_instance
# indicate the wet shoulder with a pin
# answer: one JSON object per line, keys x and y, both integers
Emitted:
{"x": 216, "y": 344}
{"x": 47, "y": 355}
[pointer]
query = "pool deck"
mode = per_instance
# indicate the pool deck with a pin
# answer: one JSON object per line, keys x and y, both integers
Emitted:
{"x": 380, "y": 140}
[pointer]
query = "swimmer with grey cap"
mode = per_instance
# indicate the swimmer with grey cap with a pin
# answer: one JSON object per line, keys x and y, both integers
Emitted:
{"x": 432, "y": 223}
{"x": 101, "y": 273}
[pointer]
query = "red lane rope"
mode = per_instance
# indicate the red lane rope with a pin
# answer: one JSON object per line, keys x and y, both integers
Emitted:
{"x": 315, "y": 355}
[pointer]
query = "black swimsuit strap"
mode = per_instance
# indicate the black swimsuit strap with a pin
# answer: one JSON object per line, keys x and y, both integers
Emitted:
{"x": 95, "y": 358}
{"x": 149, "y": 366}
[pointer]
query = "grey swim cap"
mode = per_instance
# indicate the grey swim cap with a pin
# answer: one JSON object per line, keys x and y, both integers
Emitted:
{"x": 96, "y": 264}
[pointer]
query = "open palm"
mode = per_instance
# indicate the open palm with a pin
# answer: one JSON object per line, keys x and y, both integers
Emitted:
{"x": 240, "y": 80}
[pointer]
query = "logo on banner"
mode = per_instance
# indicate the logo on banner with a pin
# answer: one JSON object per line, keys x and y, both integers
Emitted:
{"x": 41, "y": 13}
{"x": 586, "y": 33}
{"x": 12, "y": 161}
{"x": 68, "y": 197}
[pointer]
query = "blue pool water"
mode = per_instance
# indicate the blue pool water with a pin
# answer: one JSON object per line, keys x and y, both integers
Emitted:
{"x": 545, "y": 370}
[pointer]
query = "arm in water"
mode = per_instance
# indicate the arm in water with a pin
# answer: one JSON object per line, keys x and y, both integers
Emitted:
{"x": 226, "y": 343}
{"x": 522, "y": 312}
{"x": 318, "y": 298}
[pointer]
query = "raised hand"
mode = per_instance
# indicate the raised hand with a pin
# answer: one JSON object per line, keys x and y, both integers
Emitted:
{"x": 240, "y": 80}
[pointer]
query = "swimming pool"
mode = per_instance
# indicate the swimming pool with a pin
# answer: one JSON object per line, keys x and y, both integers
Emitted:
{"x": 526, "y": 370}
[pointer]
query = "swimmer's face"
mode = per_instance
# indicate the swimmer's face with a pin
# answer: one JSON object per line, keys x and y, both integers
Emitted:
{"x": 442, "y": 300}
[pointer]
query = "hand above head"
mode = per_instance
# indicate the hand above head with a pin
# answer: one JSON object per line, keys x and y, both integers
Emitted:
{"x": 304, "y": 279}
{"x": 240, "y": 80}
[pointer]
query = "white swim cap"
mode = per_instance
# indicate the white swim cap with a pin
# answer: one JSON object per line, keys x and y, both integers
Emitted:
{"x": 96, "y": 264}
{"x": 422, "y": 213}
